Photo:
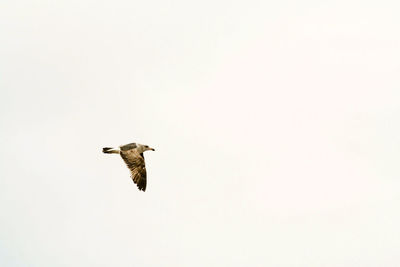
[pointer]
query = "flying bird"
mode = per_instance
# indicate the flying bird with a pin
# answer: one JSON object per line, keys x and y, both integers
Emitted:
{"x": 132, "y": 154}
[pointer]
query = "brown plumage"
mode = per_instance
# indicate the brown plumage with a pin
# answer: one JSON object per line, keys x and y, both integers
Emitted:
{"x": 132, "y": 154}
{"x": 135, "y": 162}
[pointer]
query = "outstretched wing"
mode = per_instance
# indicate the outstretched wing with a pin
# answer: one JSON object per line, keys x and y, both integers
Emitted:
{"x": 136, "y": 165}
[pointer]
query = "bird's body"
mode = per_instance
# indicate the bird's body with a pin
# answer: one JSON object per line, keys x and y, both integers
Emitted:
{"x": 132, "y": 154}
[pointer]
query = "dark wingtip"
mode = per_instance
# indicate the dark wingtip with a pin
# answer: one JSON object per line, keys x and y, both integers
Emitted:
{"x": 142, "y": 185}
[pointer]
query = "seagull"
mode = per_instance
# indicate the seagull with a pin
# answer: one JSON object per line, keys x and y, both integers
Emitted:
{"x": 132, "y": 154}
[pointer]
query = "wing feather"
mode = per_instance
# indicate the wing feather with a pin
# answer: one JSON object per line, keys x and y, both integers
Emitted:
{"x": 135, "y": 163}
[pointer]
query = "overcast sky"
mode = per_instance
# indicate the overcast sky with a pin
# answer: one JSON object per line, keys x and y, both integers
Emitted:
{"x": 275, "y": 123}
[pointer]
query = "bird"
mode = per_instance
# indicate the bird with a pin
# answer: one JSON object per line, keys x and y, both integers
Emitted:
{"x": 132, "y": 154}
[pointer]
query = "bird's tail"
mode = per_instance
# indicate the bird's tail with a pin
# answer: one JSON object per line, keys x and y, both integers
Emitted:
{"x": 110, "y": 150}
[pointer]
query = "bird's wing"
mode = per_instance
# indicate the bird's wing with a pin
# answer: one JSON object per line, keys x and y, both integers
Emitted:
{"x": 136, "y": 165}
{"x": 128, "y": 146}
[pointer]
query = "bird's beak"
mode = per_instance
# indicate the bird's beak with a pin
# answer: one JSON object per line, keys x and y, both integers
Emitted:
{"x": 152, "y": 149}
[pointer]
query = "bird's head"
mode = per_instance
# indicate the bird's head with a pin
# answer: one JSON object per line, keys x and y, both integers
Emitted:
{"x": 143, "y": 148}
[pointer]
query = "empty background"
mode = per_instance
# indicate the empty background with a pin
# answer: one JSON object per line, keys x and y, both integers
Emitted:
{"x": 276, "y": 129}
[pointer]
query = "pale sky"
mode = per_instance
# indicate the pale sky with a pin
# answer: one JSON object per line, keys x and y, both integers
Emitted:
{"x": 276, "y": 128}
